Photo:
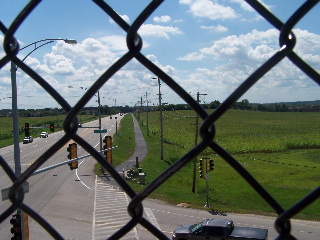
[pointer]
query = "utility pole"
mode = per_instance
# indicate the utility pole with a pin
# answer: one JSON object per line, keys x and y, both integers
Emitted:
{"x": 161, "y": 119}
{"x": 196, "y": 142}
{"x": 99, "y": 114}
{"x": 147, "y": 114}
{"x": 141, "y": 111}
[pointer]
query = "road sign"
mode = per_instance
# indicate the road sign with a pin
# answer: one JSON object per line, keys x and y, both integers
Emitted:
{"x": 100, "y": 131}
{"x": 5, "y": 191}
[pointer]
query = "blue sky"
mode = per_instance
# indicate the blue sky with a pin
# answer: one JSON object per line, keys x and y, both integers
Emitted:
{"x": 207, "y": 46}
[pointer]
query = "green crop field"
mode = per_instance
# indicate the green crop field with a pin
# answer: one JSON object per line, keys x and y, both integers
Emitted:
{"x": 281, "y": 150}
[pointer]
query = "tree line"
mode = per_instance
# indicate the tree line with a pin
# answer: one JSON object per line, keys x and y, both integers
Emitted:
{"x": 306, "y": 106}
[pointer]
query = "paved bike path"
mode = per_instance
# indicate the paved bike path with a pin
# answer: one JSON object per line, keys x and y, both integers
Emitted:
{"x": 141, "y": 149}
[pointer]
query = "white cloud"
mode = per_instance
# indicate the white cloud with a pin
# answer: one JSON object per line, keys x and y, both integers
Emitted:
{"x": 171, "y": 71}
{"x": 218, "y": 29}
{"x": 158, "y": 31}
{"x": 240, "y": 48}
{"x": 244, "y": 5}
{"x": 239, "y": 56}
{"x": 115, "y": 42}
{"x": 194, "y": 56}
{"x": 162, "y": 19}
{"x": 124, "y": 17}
{"x": 209, "y": 9}
{"x": 59, "y": 64}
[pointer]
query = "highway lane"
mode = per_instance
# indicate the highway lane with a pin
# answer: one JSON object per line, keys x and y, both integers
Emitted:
{"x": 61, "y": 196}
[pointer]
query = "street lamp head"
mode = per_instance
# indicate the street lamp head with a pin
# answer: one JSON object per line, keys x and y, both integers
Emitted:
{"x": 70, "y": 41}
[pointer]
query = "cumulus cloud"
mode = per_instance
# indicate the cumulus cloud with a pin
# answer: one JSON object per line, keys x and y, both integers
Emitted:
{"x": 59, "y": 64}
{"x": 170, "y": 70}
{"x": 194, "y": 56}
{"x": 209, "y": 9}
{"x": 239, "y": 56}
{"x": 162, "y": 19}
{"x": 115, "y": 42}
{"x": 244, "y": 5}
{"x": 217, "y": 29}
{"x": 124, "y": 17}
{"x": 239, "y": 48}
{"x": 158, "y": 31}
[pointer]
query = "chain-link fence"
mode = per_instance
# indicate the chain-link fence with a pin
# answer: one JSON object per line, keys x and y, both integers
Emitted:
{"x": 287, "y": 40}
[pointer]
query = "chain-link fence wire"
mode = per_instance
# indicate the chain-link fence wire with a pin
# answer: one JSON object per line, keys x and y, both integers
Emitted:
{"x": 287, "y": 41}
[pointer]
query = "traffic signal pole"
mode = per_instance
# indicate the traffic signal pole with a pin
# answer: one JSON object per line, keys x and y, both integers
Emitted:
{"x": 67, "y": 162}
{"x": 196, "y": 142}
{"x": 206, "y": 165}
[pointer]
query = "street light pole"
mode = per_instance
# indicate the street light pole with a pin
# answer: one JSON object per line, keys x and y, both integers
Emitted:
{"x": 15, "y": 116}
{"x": 16, "y": 139}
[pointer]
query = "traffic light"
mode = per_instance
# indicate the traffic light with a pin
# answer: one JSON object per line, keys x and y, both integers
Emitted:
{"x": 108, "y": 144}
{"x": 202, "y": 167}
{"x": 72, "y": 149}
{"x": 27, "y": 129}
{"x": 211, "y": 165}
{"x": 52, "y": 127}
{"x": 16, "y": 227}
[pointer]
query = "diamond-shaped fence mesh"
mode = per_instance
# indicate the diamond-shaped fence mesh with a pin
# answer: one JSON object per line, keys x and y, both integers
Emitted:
{"x": 287, "y": 40}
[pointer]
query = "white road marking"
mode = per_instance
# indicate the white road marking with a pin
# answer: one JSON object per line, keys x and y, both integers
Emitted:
{"x": 79, "y": 177}
{"x": 110, "y": 212}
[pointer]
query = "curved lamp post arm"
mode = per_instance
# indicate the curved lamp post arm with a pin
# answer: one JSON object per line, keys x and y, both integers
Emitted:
{"x": 36, "y": 47}
{"x": 15, "y": 115}
{"x": 69, "y": 41}
{"x": 49, "y": 40}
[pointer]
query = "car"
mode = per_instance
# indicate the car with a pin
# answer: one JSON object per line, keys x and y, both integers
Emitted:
{"x": 218, "y": 229}
{"x": 44, "y": 135}
{"x": 28, "y": 140}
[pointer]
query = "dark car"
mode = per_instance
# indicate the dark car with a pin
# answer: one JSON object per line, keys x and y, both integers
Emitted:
{"x": 28, "y": 140}
{"x": 208, "y": 229}
{"x": 215, "y": 229}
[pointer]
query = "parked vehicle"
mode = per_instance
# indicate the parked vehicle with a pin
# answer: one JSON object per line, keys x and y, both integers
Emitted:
{"x": 218, "y": 229}
{"x": 28, "y": 140}
{"x": 44, "y": 135}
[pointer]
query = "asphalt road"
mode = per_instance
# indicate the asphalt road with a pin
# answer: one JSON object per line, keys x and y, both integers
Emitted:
{"x": 82, "y": 206}
{"x": 64, "y": 197}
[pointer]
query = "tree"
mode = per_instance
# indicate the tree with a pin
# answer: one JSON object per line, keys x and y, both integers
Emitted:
{"x": 214, "y": 104}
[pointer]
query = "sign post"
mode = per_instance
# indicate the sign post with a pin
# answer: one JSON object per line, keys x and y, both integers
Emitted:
{"x": 100, "y": 131}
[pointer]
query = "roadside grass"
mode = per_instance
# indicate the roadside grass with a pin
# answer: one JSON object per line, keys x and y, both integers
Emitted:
{"x": 42, "y": 124}
{"x": 125, "y": 140}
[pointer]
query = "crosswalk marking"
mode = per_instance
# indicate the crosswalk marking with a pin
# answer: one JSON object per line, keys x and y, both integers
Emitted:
{"x": 110, "y": 212}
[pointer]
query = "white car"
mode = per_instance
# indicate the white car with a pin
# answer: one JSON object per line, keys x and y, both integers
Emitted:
{"x": 44, "y": 135}
{"x": 27, "y": 140}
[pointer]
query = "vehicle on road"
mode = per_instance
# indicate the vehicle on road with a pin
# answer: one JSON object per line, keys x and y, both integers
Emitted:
{"x": 28, "y": 140}
{"x": 44, "y": 135}
{"x": 214, "y": 229}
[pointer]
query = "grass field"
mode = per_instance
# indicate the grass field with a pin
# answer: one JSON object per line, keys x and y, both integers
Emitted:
{"x": 281, "y": 150}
